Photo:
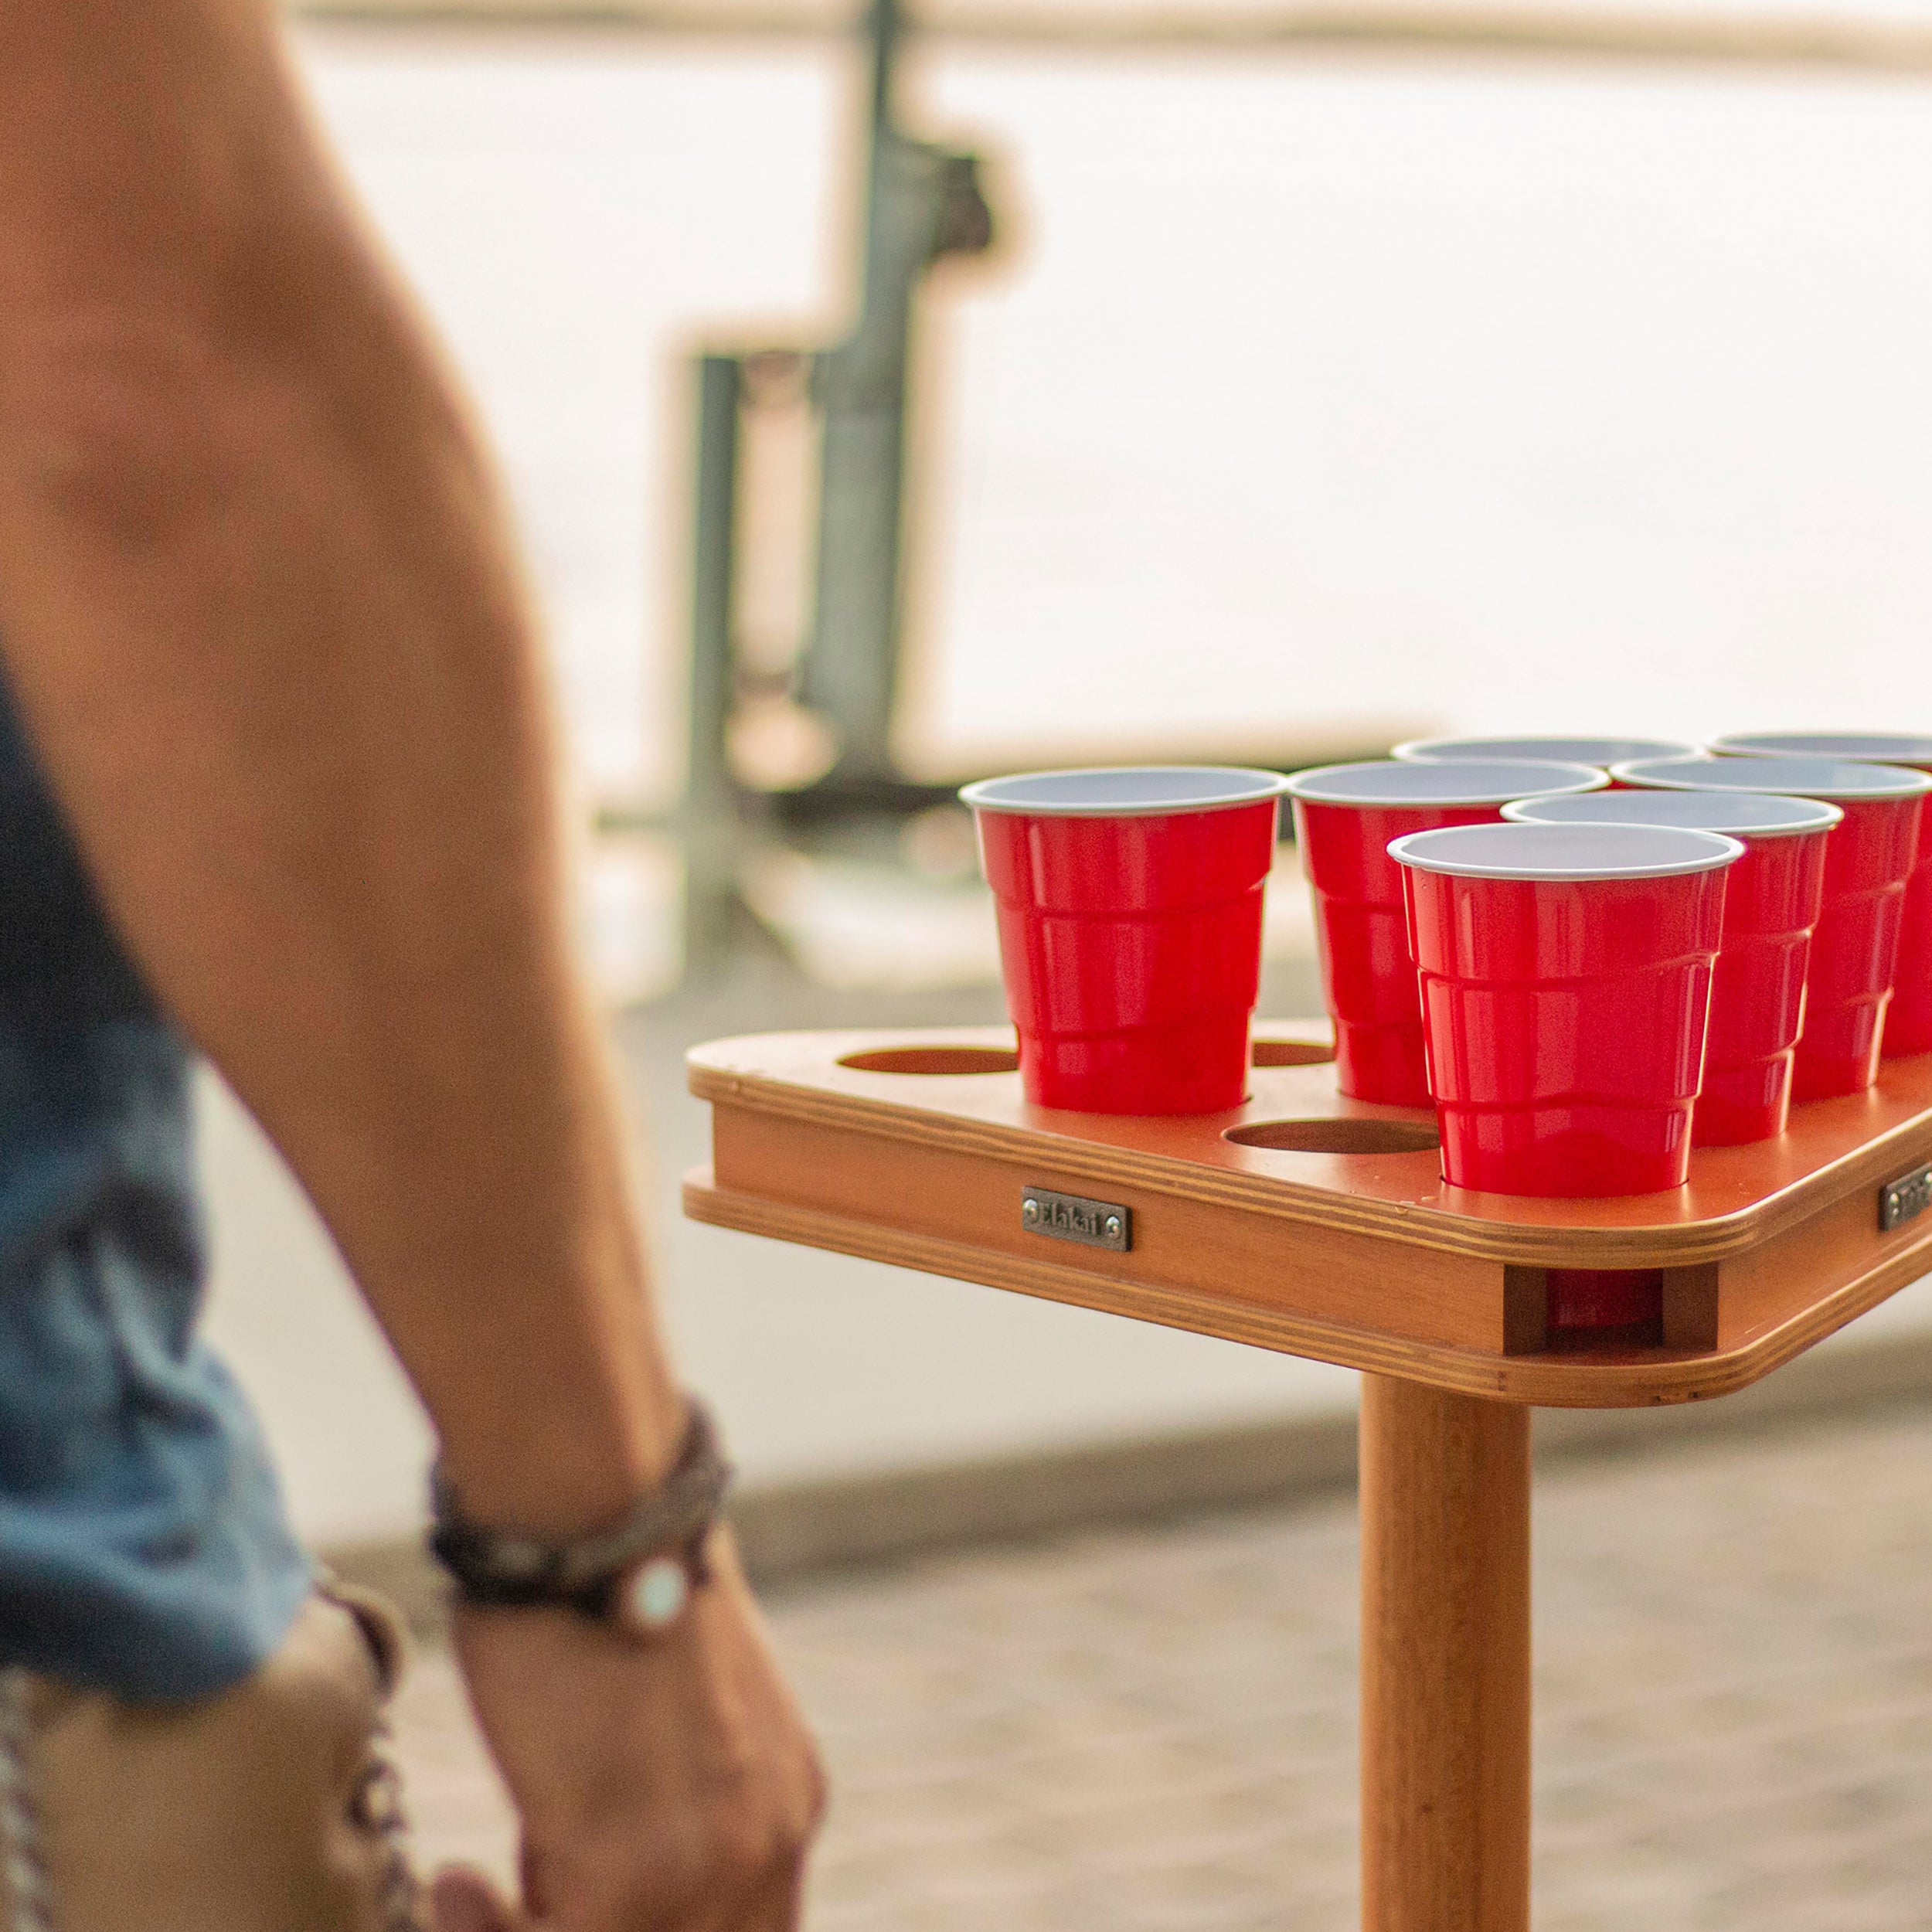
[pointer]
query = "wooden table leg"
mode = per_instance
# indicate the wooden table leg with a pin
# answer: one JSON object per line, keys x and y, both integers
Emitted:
{"x": 1445, "y": 1660}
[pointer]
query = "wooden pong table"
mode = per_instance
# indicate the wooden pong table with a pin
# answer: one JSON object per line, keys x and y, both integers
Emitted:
{"x": 1321, "y": 1227}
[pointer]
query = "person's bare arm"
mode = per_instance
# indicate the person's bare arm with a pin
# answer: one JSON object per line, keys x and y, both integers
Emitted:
{"x": 258, "y": 604}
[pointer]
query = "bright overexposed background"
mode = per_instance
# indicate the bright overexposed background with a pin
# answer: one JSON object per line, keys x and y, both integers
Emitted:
{"x": 1309, "y": 391}
{"x": 1310, "y": 387}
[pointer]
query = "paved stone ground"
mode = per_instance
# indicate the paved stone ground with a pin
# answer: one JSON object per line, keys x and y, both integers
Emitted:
{"x": 1152, "y": 1730}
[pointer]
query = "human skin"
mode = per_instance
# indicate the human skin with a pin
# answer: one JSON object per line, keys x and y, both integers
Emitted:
{"x": 261, "y": 610}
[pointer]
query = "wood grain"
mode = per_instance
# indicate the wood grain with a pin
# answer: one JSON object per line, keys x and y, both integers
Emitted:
{"x": 1738, "y": 1197}
{"x": 1837, "y": 1247}
{"x": 1331, "y": 1275}
{"x": 1445, "y": 1661}
{"x": 1342, "y": 1257}
{"x": 1692, "y": 1299}
{"x": 1525, "y": 1294}
{"x": 1645, "y": 1380}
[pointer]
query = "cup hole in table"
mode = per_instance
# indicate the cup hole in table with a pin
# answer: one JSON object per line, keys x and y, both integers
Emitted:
{"x": 1291, "y": 1052}
{"x": 935, "y": 1059}
{"x": 1346, "y": 1135}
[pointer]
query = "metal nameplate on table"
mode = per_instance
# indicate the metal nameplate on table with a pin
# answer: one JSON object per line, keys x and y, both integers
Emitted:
{"x": 1072, "y": 1217}
{"x": 1905, "y": 1199}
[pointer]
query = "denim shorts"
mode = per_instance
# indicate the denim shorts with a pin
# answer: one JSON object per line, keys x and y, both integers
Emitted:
{"x": 144, "y": 1550}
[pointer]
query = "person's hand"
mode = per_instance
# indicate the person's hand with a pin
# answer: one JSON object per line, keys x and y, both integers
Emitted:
{"x": 663, "y": 1787}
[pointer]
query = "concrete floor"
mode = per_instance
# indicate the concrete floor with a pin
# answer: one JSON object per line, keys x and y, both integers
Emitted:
{"x": 1129, "y": 1731}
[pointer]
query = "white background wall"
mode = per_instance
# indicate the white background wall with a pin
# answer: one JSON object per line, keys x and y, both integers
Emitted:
{"x": 1314, "y": 389}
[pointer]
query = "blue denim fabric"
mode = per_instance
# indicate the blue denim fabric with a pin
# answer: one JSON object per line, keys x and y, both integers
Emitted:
{"x": 143, "y": 1548}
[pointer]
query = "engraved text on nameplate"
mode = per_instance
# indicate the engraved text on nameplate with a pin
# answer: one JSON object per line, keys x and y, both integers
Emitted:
{"x": 1072, "y": 1217}
{"x": 1910, "y": 1195}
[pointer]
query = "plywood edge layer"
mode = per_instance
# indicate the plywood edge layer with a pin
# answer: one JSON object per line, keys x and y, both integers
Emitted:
{"x": 1277, "y": 1196}
{"x": 1562, "y": 1381}
{"x": 1843, "y": 1304}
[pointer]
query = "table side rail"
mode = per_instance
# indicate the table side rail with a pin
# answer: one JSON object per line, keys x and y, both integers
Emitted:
{"x": 1418, "y": 1227}
{"x": 1652, "y": 1379}
{"x": 1175, "y": 1243}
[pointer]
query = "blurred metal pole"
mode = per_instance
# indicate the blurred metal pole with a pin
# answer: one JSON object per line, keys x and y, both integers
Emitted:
{"x": 710, "y": 818}
{"x": 849, "y": 672}
{"x": 921, "y": 201}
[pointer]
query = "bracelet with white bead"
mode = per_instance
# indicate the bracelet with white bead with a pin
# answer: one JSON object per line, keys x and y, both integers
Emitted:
{"x": 639, "y": 1573}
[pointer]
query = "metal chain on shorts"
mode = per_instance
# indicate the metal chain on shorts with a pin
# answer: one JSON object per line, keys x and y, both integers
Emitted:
{"x": 378, "y": 1808}
{"x": 28, "y": 1904}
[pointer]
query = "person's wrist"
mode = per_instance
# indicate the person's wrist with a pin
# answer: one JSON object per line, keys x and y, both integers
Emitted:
{"x": 636, "y": 1572}
{"x": 559, "y": 1469}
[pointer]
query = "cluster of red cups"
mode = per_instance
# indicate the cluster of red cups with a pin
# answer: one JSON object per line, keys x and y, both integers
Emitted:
{"x": 1587, "y": 954}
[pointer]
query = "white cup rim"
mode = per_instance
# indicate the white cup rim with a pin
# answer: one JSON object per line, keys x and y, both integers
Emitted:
{"x": 1109, "y": 791}
{"x": 1745, "y": 814}
{"x": 1560, "y": 747}
{"x": 1859, "y": 747}
{"x": 1564, "y": 855}
{"x": 1373, "y": 784}
{"x": 1843, "y": 781}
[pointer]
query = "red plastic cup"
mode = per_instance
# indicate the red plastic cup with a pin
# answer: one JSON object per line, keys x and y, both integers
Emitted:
{"x": 1772, "y": 898}
{"x": 1344, "y": 816}
{"x": 1632, "y": 1299}
{"x": 1129, "y": 904}
{"x": 1867, "y": 858}
{"x": 1565, "y": 975}
{"x": 1601, "y": 752}
{"x": 1908, "y": 1020}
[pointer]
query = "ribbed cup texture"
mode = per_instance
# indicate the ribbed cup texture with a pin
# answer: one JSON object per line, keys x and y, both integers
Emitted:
{"x": 1855, "y": 949}
{"x": 1368, "y": 979}
{"x": 1131, "y": 949}
{"x": 1908, "y": 1020}
{"x": 1566, "y": 1026}
{"x": 1772, "y": 900}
